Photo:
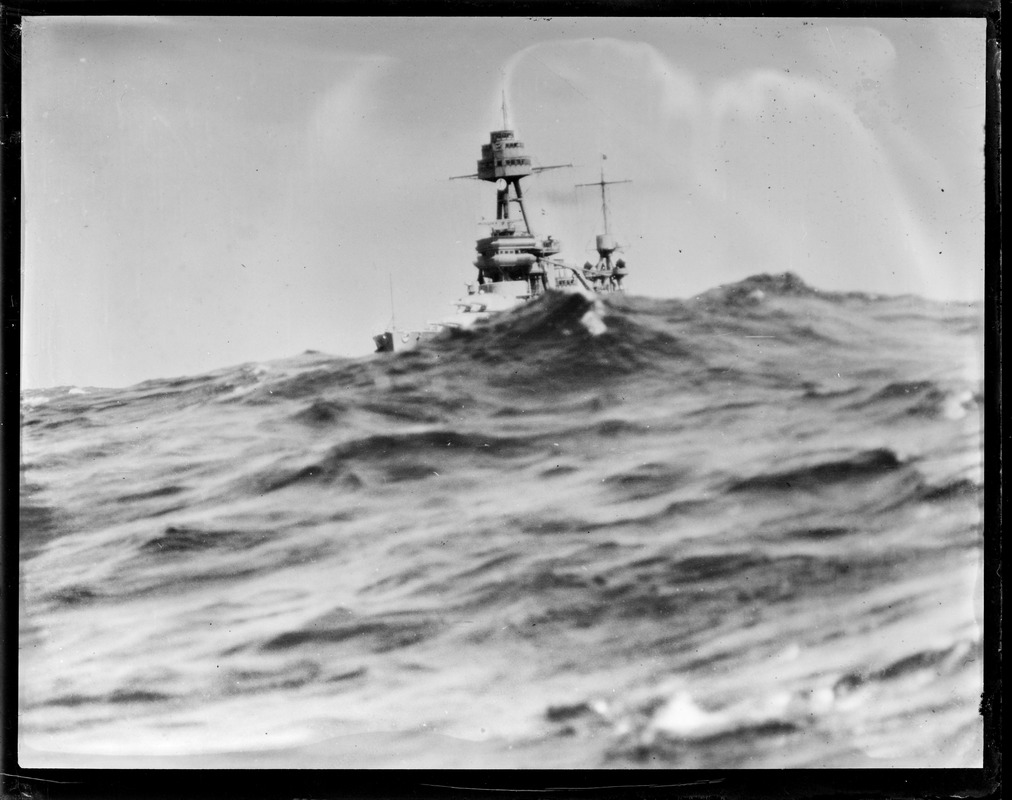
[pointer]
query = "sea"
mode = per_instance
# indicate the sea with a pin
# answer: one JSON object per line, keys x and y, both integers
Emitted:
{"x": 739, "y": 530}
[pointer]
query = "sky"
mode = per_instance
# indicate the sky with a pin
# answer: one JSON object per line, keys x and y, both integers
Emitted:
{"x": 205, "y": 192}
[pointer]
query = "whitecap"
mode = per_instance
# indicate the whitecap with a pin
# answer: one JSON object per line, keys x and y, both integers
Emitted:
{"x": 956, "y": 404}
{"x": 682, "y": 718}
{"x": 592, "y": 320}
{"x": 239, "y": 391}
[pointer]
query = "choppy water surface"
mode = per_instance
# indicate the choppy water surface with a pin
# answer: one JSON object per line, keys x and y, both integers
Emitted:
{"x": 743, "y": 530}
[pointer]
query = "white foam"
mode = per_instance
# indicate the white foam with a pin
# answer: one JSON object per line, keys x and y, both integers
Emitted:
{"x": 592, "y": 320}
{"x": 601, "y": 708}
{"x": 34, "y": 401}
{"x": 78, "y": 390}
{"x": 681, "y": 718}
{"x": 240, "y": 391}
{"x": 957, "y": 404}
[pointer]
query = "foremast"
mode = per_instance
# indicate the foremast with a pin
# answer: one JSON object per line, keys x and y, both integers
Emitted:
{"x": 512, "y": 252}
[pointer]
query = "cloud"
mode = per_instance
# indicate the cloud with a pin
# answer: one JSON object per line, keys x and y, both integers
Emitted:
{"x": 341, "y": 116}
{"x": 759, "y": 169}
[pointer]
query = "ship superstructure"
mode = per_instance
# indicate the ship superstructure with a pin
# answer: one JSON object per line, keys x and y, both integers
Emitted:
{"x": 604, "y": 274}
{"x": 514, "y": 263}
{"x": 513, "y": 260}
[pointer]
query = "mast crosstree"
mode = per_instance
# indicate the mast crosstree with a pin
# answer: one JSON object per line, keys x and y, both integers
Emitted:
{"x": 513, "y": 252}
{"x": 514, "y": 265}
{"x": 606, "y": 245}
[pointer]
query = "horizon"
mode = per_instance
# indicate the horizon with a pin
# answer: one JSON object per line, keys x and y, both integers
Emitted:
{"x": 291, "y": 356}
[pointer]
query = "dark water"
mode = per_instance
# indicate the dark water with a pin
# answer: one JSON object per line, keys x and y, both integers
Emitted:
{"x": 739, "y": 531}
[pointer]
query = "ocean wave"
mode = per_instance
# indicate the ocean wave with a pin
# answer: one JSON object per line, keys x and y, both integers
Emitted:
{"x": 674, "y": 533}
{"x": 930, "y": 661}
{"x": 866, "y": 465}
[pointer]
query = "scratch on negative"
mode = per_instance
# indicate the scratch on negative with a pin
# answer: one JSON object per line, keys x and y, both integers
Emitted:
{"x": 577, "y": 788}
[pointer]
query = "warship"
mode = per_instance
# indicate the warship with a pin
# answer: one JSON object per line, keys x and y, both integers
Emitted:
{"x": 514, "y": 264}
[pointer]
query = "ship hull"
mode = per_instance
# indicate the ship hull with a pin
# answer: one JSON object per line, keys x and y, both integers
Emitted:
{"x": 514, "y": 265}
{"x": 398, "y": 341}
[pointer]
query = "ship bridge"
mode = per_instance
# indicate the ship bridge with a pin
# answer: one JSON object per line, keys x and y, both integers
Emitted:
{"x": 503, "y": 158}
{"x": 512, "y": 252}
